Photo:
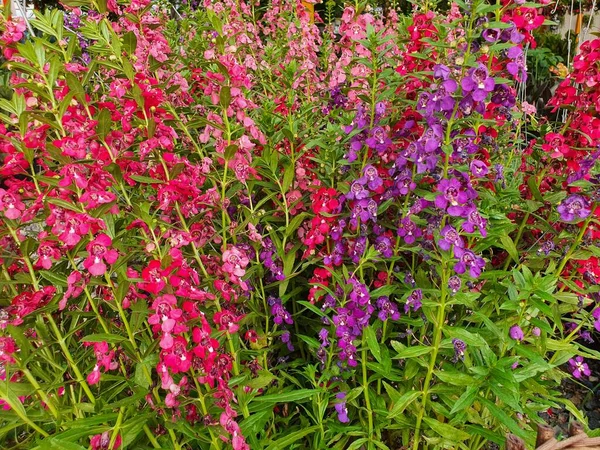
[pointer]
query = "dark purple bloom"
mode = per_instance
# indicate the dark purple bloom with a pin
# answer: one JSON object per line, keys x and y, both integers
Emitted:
{"x": 467, "y": 260}
{"x": 279, "y": 313}
{"x": 341, "y": 409}
{"x": 413, "y": 301}
{"x": 459, "y": 349}
{"x": 573, "y": 207}
{"x": 449, "y": 238}
{"x": 363, "y": 210}
{"x": 579, "y": 368}
{"x": 387, "y": 309}
{"x": 478, "y": 82}
{"x": 503, "y": 95}
{"x": 516, "y": 333}
{"x": 452, "y": 197}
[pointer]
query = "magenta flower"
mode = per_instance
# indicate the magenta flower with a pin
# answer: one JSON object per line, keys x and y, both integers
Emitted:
{"x": 579, "y": 368}
{"x": 99, "y": 253}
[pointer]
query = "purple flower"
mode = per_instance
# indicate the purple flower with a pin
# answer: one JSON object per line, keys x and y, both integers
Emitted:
{"x": 579, "y": 368}
{"x": 408, "y": 230}
{"x": 383, "y": 245}
{"x": 491, "y": 34}
{"x": 467, "y": 260}
{"x": 479, "y": 169}
{"x": 378, "y": 140}
{"x": 452, "y": 196}
{"x": 357, "y": 191}
{"x": 517, "y": 66}
{"x": 503, "y": 95}
{"x": 371, "y": 177}
{"x": 478, "y": 82}
{"x": 387, "y": 309}
{"x": 474, "y": 220}
{"x": 342, "y": 410}
{"x": 573, "y": 207}
{"x": 454, "y": 284}
{"x": 596, "y": 316}
{"x": 516, "y": 333}
{"x": 413, "y": 301}
{"x": 459, "y": 349}
{"x": 441, "y": 71}
{"x": 404, "y": 181}
{"x": 286, "y": 339}
{"x": 279, "y": 313}
{"x": 364, "y": 210}
{"x": 450, "y": 237}
{"x": 359, "y": 292}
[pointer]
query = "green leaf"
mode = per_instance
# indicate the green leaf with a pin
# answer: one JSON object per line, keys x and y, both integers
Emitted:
{"x": 403, "y": 402}
{"x": 225, "y": 96}
{"x": 129, "y": 42}
{"x": 230, "y": 152}
{"x": 465, "y": 400}
{"x": 59, "y": 444}
{"x": 446, "y": 431}
{"x": 509, "y": 246}
{"x": 104, "y": 337}
{"x": 76, "y": 87}
{"x": 412, "y": 352}
{"x": 455, "y": 378}
{"x": 54, "y": 278}
{"x": 104, "y": 123}
{"x": 504, "y": 418}
{"x": 145, "y": 180}
{"x": 283, "y": 397}
{"x": 285, "y": 442}
{"x": 372, "y": 343}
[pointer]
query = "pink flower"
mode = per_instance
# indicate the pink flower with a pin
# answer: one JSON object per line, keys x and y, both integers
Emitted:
{"x": 99, "y": 253}
{"x": 11, "y": 204}
{"x": 235, "y": 261}
{"x": 102, "y": 441}
{"x": 14, "y": 31}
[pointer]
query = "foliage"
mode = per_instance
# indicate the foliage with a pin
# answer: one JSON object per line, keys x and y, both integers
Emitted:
{"x": 234, "y": 229}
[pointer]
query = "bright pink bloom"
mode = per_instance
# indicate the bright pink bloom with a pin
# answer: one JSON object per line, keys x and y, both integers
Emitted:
{"x": 99, "y": 253}
{"x": 11, "y": 204}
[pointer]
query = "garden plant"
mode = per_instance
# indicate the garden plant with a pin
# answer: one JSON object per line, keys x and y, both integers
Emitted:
{"x": 235, "y": 225}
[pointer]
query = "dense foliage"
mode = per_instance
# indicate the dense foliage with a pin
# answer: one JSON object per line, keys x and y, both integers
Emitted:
{"x": 237, "y": 228}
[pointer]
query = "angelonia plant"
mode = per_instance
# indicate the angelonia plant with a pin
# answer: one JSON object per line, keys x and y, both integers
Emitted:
{"x": 233, "y": 225}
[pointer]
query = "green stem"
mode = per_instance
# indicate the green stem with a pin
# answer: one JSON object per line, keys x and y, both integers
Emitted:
{"x": 365, "y": 382}
{"x": 436, "y": 346}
